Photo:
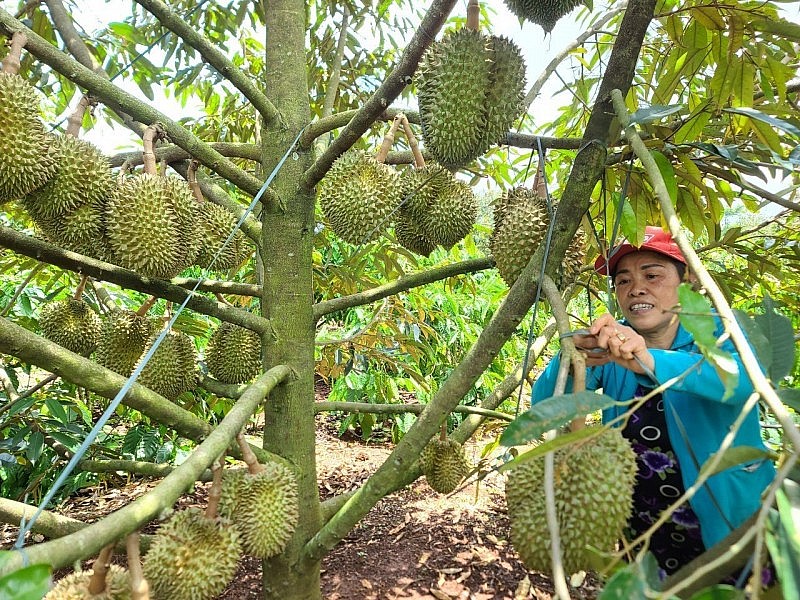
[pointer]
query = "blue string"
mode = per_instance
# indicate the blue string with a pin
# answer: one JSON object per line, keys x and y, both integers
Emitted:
{"x": 548, "y": 239}
{"x": 26, "y": 526}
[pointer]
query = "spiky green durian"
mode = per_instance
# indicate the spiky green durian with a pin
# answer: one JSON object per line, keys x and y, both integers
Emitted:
{"x": 149, "y": 224}
{"x": 72, "y": 324}
{"x": 215, "y": 225}
{"x": 470, "y": 93}
{"x": 267, "y": 510}
{"x": 451, "y": 214}
{"x": 83, "y": 178}
{"x": 542, "y": 12}
{"x": 359, "y": 196}
{"x": 452, "y": 79}
{"x": 75, "y": 586}
{"x": 191, "y": 557}
{"x": 233, "y": 480}
{"x": 523, "y": 219}
{"x": 171, "y": 369}
{"x": 506, "y": 94}
{"x": 410, "y": 236}
{"x": 122, "y": 340}
{"x": 593, "y": 482}
{"x": 26, "y": 158}
{"x": 233, "y": 354}
{"x": 444, "y": 464}
{"x": 420, "y": 187}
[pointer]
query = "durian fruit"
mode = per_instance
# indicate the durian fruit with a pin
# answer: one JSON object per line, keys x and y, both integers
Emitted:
{"x": 359, "y": 196}
{"x": 83, "y": 178}
{"x": 26, "y": 158}
{"x": 215, "y": 225}
{"x": 72, "y": 324}
{"x": 450, "y": 215}
{"x": 171, "y": 369}
{"x": 191, "y": 557}
{"x": 123, "y": 338}
{"x": 594, "y": 482}
{"x": 542, "y": 12}
{"x": 521, "y": 220}
{"x": 233, "y": 354}
{"x": 265, "y": 509}
{"x": 150, "y": 224}
{"x": 470, "y": 91}
{"x": 75, "y": 586}
{"x": 444, "y": 464}
{"x": 410, "y": 236}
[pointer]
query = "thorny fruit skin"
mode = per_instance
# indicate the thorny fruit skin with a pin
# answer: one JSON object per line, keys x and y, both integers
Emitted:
{"x": 192, "y": 557}
{"x": 444, "y": 465}
{"x": 593, "y": 496}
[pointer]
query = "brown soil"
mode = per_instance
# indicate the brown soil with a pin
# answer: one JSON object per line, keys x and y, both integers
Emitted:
{"x": 414, "y": 544}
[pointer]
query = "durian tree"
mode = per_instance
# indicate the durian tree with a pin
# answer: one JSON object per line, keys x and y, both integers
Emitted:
{"x": 294, "y": 107}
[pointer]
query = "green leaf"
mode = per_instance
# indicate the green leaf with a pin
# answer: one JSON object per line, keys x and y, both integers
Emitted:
{"x": 697, "y": 318}
{"x": 28, "y": 583}
{"x": 735, "y": 456}
{"x": 636, "y": 581}
{"x": 768, "y": 119}
{"x": 56, "y": 410}
{"x": 668, "y": 174}
{"x": 550, "y": 446}
{"x": 551, "y": 413}
{"x": 757, "y": 338}
{"x": 790, "y": 397}
{"x": 35, "y": 445}
{"x": 719, "y": 592}
{"x": 777, "y": 328}
{"x": 783, "y": 539}
{"x": 632, "y": 223}
{"x": 655, "y": 112}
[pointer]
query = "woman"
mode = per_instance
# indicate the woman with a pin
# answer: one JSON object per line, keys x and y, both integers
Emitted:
{"x": 675, "y": 432}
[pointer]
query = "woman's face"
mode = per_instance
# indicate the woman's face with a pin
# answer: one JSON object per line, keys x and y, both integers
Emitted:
{"x": 646, "y": 284}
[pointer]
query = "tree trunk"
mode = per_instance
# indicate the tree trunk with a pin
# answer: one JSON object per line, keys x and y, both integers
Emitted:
{"x": 288, "y": 237}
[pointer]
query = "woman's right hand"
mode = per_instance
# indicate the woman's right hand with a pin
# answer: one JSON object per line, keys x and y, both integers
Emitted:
{"x": 588, "y": 345}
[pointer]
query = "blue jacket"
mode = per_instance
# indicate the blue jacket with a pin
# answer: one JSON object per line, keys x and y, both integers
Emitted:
{"x": 697, "y": 417}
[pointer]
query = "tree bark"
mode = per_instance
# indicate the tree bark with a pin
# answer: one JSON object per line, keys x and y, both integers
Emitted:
{"x": 287, "y": 244}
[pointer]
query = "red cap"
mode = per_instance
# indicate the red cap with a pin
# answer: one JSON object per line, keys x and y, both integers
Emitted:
{"x": 655, "y": 240}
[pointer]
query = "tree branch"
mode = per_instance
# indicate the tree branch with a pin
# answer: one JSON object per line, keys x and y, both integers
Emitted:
{"x": 134, "y": 467}
{"x": 734, "y": 178}
{"x": 218, "y": 287}
{"x": 380, "y": 100}
{"x": 236, "y": 76}
{"x": 36, "y": 350}
{"x": 121, "y": 101}
{"x": 44, "y": 251}
{"x": 172, "y": 153}
{"x": 406, "y": 282}
{"x": 89, "y": 540}
{"x": 596, "y": 28}
{"x": 389, "y": 409}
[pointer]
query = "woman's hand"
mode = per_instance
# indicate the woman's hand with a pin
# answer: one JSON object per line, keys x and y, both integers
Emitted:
{"x": 624, "y": 345}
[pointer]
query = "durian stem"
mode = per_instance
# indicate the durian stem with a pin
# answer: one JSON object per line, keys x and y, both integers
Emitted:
{"x": 11, "y": 63}
{"x": 146, "y": 306}
{"x": 540, "y": 181}
{"x": 388, "y": 139}
{"x": 81, "y": 286}
{"x": 419, "y": 161}
{"x": 124, "y": 169}
{"x": 215, "y": 491}
{"x": 222, "y": 299}
{"x": 151, "y": 134}
{"x": 248, "y": 457}
{"x": 473, "y": 15}
{"x": 443, "y": 432}
{"x": 97, "y": 582}
{"x": 76, "y": 118}
{"x": 191, "y": 178}
{"x": 140, "y": 590}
